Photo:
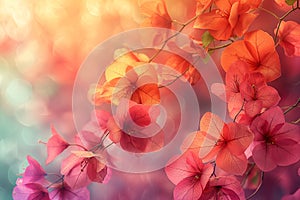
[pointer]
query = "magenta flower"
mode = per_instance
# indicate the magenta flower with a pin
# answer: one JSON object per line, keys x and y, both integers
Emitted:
{"x": 223, "y": 187}
{"x": 189, "y": 175}
{"x": 63, "y": 191}
{"x": 34, "y": 173}
{"x": 257, "y": 94}
{"x": 55, "y": 145}
{"x": 30, "y": 191}
{"x": 276, "y": 143}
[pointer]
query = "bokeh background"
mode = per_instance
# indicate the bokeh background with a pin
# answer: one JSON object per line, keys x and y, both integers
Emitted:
{"x": 42, "y": 45}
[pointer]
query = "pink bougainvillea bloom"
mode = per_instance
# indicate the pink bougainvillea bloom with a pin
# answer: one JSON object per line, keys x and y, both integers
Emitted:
{"x": 230, "y": 18}
{"x": 189, "y": 175}
{"x": 257, "y": 51}
{"x": 289, "y": 34}
{"x": 230, "y": 92}
{"x": 133, "y": 126}
{"x": 63, "y": 191}
{"x": 226, "y": 142}
{"x": 30, "y": 191}
{"x": 92, "y": 136}
{"x": 223, "y": 187}
{"x": 83, "y": 167}
{"x": 257, "y": 94}
{"x": 234, "y": 77}
{"x": 34, "y": 173}
{"x": 276, "y": 143}
{"x": 55, "y": 145}
{"x": 156, "y": 13}
{"x": 102, "y": 118}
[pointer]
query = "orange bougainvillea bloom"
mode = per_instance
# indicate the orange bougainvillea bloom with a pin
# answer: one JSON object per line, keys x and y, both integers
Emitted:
{"x": 231, "y": 18}
{"x": 257, "y": 51}
{"x": 289, "y": 34}
{"x": 124, "y": 79}
{"x": 203, "y": 5}
{"x": 188, "y": 71}
{"x": 156, "y": 13}
{"x": 224, "y": 142}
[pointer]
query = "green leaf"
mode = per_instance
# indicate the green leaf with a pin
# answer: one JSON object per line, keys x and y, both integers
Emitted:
{"x": 207, "y": 38}
{"x": 290, "y": 2}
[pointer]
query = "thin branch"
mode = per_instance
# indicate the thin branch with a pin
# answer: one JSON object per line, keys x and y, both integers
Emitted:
{"x": 269, "y": 12}
{"x": 175, "y": 79}
{"x": 247, "y": 173}
{"x": 258, "y": 187}
{"x": 282, "y": 18}
{"x": 61, "y": 179}
{"x": 235, "y": 117}
{"x": 179, "y": 31}
{"x": 292, "y": 107}
{"x": 220, "y": 47}
{"x": 296, "y": 122}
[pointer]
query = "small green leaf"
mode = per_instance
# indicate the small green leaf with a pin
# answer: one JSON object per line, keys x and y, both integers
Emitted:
{"x": 207, "y": 38}
{"x": 206, "y": 58}
{"x": 290, "y": 2}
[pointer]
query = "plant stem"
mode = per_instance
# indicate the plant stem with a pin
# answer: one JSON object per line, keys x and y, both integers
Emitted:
{"x": 292, "y": 107}
{"x": 296, "y": 122}
{"x": 237, "y": 114}
{"x": 258, "y": 187}
{"x": 219, "y": 47}
{"x": 269, "y": 12}
{"x": 282, "y": 18}
{"x": 179, "y": 31}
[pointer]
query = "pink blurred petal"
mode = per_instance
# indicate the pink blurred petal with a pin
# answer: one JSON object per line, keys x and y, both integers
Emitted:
{"x": 34, "y": 173}
{"x": 55, "y": 145}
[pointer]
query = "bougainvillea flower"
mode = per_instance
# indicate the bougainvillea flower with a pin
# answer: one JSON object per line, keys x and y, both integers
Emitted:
{"x": 30, "y": 191}
{"x": 233, "y": 79}
{"x": 202, "y": 5}
{"x": 223, "y": 187}
{"x": 257, "y": 94}
{"x": 138, "y": 84}
{"x": 34, "y": 173}
{"x": 276, "y": 143}
{"x": 226, "y": 142}
{"x": 193, "y": 142}
{"x": 230, "y": 92}
{"x": 83, "y": 167}
{"x": 177, "y": 65}
{"x": 63, "y": 191}
{"x": 189, "y": 175}
{"x": 102, "y": 117}
{"x": 133, "y": 127}
{"x": 288, "y": 34}
{"x": 257, "y": 51}
{"x": 124, "y": 60}
{"x": 156, "y": 14}
{"x": 94, "y": 132}
{"x": 185, "y": 69}
{"x": 55, "y": 145}
{"x": 231, "y": 18}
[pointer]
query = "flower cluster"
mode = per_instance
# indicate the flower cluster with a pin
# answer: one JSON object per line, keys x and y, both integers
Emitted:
{"x": 221, "y": 159}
